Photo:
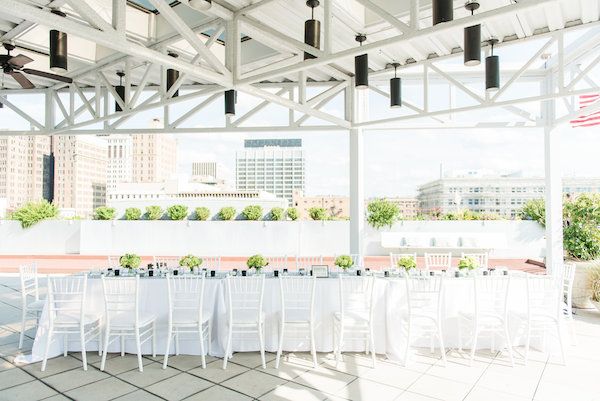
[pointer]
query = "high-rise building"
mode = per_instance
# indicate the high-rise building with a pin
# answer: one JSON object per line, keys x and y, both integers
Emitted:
{"x": 271, "y": 165}
{"x": 23, "y": 169}
{"x": 207, "y": 173}
{"x": 154, "y": 156}
{"x": 504, "y": 195}
{"x": 120, "y": 160}
{"x": 80, "y": 173}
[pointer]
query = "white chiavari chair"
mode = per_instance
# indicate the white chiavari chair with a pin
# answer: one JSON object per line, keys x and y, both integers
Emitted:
{"x": 490, "y": 314}
{"x": 297, "y": 310}
{"x": 357, "y": 260}
{"x": 568, "y": 278}
{"x": 211, "y": 263}
{"x": 67, "y": 316}
{"x": 544, "y": 309}
{"x": 354, "y": 321}
{"x": 277, "y": 262}
{"x": 244, "y": 298}
{"x": 123, "y": 318}
{"x": 31, "y": 304}
{"x": 395, "y": 257}
{"x": 113, "y": 261}
{"x": 442, "y": 261}
{"x": 482, "y": 259}
{"x": 166, "y": 261}
{"x": 425, "y": 299}
{"x": 186, "y": 313}
{"x": 306, "y": 262}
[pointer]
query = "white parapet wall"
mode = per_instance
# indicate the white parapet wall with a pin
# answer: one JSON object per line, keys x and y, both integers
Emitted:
{"x": 504, "y": 239}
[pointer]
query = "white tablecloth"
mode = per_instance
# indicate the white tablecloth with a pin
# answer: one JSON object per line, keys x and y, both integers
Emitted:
{"x": 389, "y": 298}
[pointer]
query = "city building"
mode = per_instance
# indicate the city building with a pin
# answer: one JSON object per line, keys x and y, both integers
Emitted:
{"x": 190, "y": 194}
{"x": 120, "y": 160}
{"x": 207, "y": 173}
{"x": 154, "y": 156}
{"x": 80, "y": 164}
{"x": 409, "y": 207}
{"x": 483, "y": 192}
{"x": 24, "y": 169}
{"x": 272, "y": 165}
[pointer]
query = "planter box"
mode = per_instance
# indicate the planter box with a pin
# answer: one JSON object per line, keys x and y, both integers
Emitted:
{"x": 582, "y": 292}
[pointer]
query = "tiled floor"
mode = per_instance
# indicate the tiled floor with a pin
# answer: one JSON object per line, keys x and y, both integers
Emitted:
{"x": 490, "y": 378}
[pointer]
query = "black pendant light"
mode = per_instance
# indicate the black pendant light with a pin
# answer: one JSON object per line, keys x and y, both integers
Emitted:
{"x": 172, "y": 76}
{"x": 230, "y": 101}
{"x": 443, "y": 11}
{"x": 58, "y": 48}
{"x": 361, "y": 66}
{"x": 395, "y": 89}
{"x": 492, "y": 69}
{"x": 120, "y": 89}
{"x": 312, "y": 29}
{"x": 472, "y": 37}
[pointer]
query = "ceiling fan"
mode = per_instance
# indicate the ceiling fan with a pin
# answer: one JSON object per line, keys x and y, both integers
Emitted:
{"x": 13, "y": 66}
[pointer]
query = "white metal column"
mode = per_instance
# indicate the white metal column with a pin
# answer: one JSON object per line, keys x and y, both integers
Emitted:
{"x": 358, "y": 105}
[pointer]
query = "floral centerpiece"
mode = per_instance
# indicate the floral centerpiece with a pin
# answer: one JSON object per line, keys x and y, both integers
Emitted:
{"x": 130, "y": 261}
{"x": 190, "y": 261}
{"x": 467, "y": 263}
{"x": 407, "y": 263}
{"x": 344, "y": 262}
{"x": 257, "y": 262}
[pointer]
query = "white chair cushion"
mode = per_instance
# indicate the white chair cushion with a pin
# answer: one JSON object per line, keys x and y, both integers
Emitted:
{"x": 36, "y": 305}
{"x": 187, "y": 317}
{"x": 73, "y": 318}
{"x": 128, "y": 319}
{"x": 352, "y": 317}
{"x": 246, "y": 318}
{"x": 296, "y": 316}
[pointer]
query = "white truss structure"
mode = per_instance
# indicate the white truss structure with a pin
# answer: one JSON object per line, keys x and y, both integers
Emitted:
{"x": 256, "y": 47}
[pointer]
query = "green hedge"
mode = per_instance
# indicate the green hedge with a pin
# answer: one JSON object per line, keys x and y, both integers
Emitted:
{"x": 252, "y": 212}
{"x": 133, "y": 213}
{"x": 202, "y": 213}
{"x": 227, "y": 213}
{"x": 34, "y": 212}
{"x": 104, "y": 213}
{"x": 153, "y": 213}
{"x": 177, "y": 212}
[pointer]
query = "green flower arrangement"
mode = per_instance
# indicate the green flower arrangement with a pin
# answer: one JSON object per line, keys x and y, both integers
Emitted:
{"x": 407, "y": 263}
{"x": 257, "y": 262}
{"x": 190, "y": 261}
{"x": 344, "y": 262}
{"x": 130, "y": 261}
{"x": 468, "y": 263}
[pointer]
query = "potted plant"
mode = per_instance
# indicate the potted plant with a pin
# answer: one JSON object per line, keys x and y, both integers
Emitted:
{"x": 467, "y": 264}
{"x": 407, "y": 263}
{"x": 192, "y": 262}
{"x": 344, "y": 262}
{"x": 257, "y": 262}
{"x": 595, "y": 285}
{"x": 130, "y": 261}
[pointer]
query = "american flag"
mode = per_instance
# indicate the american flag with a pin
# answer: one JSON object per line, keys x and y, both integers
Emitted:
{"x": 587, "y": 120}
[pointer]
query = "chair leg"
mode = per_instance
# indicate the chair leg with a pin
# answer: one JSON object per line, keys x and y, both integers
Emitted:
{"x": 460, "y": 338}
{"x": 99, "y": 340}
{"x": 209, "y": 337}
{"x": 65, "y": 344}
{"x": 228, "y": 347}
{"x": 138, "y": 346}
{"x": 407, "y": 344}
{"x": 527, "y": 342}
{"x": 509, "y": 345}
{"x": 153, "y": 339}
{"x": 261, "y": 340}
{"x": 168, "y": 349}
{"x": 313, "y": 349}
{"x": 176, "y": 343}
{"x": 560, "y": 341}
{"x": 202, "y": 356}
{"x": 280, "y": 346}
{"x": 105, "y": 351}
{"x": 372, "y": 344}
{"x": 122, "y": 337}
{"x": 23, "y": 317}
{"x": 441, "y": 338}
{"x": 474, "y": 345}
{"x": 46, "y": 349}
{"x": 83, "y": 350}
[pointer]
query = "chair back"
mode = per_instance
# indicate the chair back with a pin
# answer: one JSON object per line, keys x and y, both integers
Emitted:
{"x": 308, "y": 261}
{"x": 121, "y": 296}
{"x": 113, "y": 261}
{"x": 568, "y": 278}
{"x": 356, "y": 294}
{"x": 277, "y": 262}
{"x": 491, "y": 294}
{"x": 544, "y": 295}
{"x": 438, "y": 260}
{"x": 166, "y": 261}
{"x": 29, "y": 281}
{"x": 395, "y": 257}
{"x": 66, "y": 299}
{"x": 424, "y": 293}
{"x": 186, "y": 294}
{"x": 211, "y": 263}
{"x": 357, "y": 260}
{"x": 245, "y": 296}
{"x": 297, "y": 295}
{"x": 482, "y": 259}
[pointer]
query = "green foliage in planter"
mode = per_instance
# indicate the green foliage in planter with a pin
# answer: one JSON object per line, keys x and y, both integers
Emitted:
{"x": 104, "y": 213}
{"x": 252, "y": 212}
{"x": 382, "y": 213}
{"x": 133, "y": 213}
{"x": 468, "y": 263}
{"x": 257, "y": 262}
{"x": 535, "y": 210}
{"x": 344, "y": 262}
{"x": 594, "y": 277}
{"x": 34, "y": 212}
{"x": 190, "y": 261}
{"x": 227, "y": 213}
{"x": 292, "y": 213}
{"x": 276, "y": 214}
{"x": 177, "y": 212}
{"x": 153, "y": 212}
{"x": 317, "y": 213}
{"x": 130, "y": 261}
{"x": 407, "y": 263}
{"x": 202, "y": 213}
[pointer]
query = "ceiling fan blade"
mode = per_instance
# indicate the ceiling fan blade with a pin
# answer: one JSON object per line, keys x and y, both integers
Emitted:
{"x": 44, "y": 74}
{"x": 20, "y": 60}
{"x": 22, "y": 80}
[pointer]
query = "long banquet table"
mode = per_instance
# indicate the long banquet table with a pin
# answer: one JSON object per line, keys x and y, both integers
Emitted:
{"x": 389, "y": 303}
